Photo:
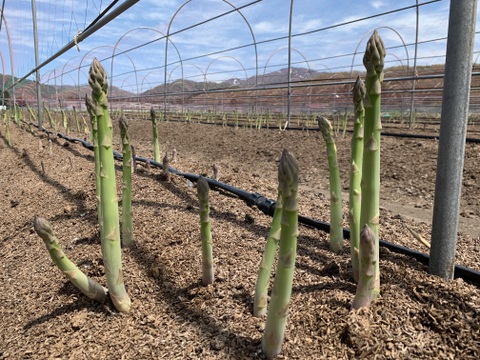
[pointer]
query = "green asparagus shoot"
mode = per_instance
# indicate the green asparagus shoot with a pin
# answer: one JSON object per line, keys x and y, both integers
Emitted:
{"x": 156, "y": 147}
{"x": 127, "y": 221}
{"x": 370, "y": 210}
{"x": 366, "y": 282}
{"x": 282, "y": 287}
{"x": 96, "y": 154}
{"x": 355, "y": 195}
{"x": 81, "y": 281}
{"x": 110, "y": 235}
{"x": 203, "y": 190}
{"x": 336, "y": 213}
{"x": 263, "y": 278}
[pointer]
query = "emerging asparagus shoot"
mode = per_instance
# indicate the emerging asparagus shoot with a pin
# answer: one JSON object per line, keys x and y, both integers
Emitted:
{"x": 203, "y": 190}
{"x": 355, "y": 195}
{"x": 366, "y": 282}
{"x": 96, "y": 154}
{"x": 156, "y": 147}
{"x": 374, "y": 63}
{"x": 263, "y": 278}
{"x": 111, "y": 249}
{"x": 86, "y": 285}
{"x": 282, "y": 287}
{"x": 336, "y": 214}
{"x": 127, "y": 221}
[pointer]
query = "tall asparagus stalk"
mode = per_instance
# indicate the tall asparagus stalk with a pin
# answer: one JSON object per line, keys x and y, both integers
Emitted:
{"x": 355, "y": 196}
{"x": 374, "y": 63}
{"x": 127, "y": 223}
{"x": 96, "y": 154}
{"x": 156, "y": 148}
{"x": 111, "y": 249}
{"x": 53, "y": 123}
{"x": 263, "y": 278}
{"x": 203, "y": 190}
{"x": 86, "y": 285}
{"x": 282, "y": 287}
{"x": 336, "y": 214}
{"x": 366, "y": 282}
{"x": 30, "y": 111}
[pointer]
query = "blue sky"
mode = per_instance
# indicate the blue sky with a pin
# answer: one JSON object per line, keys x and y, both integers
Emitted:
{"x": 219, "y": 49}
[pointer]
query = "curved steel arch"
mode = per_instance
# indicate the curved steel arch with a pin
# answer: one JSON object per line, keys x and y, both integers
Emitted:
{"x": 10, "y": 50}
{"x": 138, "y": 29}
{"x": 183, "y": 81}
{"x": 105, "y": 46}
{"x": 166, "y": 49}
{"x": 371, "y": 31}
{"x": 222, "y": 57}
{"x": 289, "y": 50}
{"x": 195, "y": 66}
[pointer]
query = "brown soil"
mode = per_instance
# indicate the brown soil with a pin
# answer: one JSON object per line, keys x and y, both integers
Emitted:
{"x": 417, "y": 316}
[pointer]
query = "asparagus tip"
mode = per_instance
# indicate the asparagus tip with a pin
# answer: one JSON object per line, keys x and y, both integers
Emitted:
{"x": 202, "y": 188}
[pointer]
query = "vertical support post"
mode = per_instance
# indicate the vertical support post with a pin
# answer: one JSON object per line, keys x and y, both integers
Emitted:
{"x": 37, "y": 73}
{"x": 289, "y": 76}
{"x": 451, "y": 148}
{"x": 412, "y": 96}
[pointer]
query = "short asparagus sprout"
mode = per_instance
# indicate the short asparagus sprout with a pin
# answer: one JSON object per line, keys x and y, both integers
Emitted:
{"x": 165, "y": 172}
{"x": 75, "y": 119}
{"x": 127, "y": 221}
{"x": 366, "y": 281}
{"x": 53, "y": 123}
{"x": 156, "y": 147}
{"x": 86, "y": 129}
{"x": 355, "y": 194}
{"x": 30, "y": 112}
{"x": 336, "y": 214}
{"x": 66, "y": 125}
{"x": 263, "y": 278}
{"x": 110, "y": 235}
{"x": 7, "y": 134}
{"x": 370, "y": 209}
{"x": 215, "y": 169}
{"x": 174, "y": 155}
{"x": 282, "y": 287}
{"x": 85, "y": 284}
{"x": 203, "y": 190}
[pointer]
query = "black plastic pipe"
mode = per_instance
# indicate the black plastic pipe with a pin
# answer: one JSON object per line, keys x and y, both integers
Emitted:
{"x": 267, "y": 206}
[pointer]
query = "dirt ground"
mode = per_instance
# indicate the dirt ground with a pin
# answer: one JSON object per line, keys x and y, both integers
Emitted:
{"x": 173, "y": 316}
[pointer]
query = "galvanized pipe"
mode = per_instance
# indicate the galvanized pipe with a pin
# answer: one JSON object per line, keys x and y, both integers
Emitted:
{"x": 451, "y": 147}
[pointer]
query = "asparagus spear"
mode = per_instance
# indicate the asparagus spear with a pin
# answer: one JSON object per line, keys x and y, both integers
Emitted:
{"x": 263, "y": 278}
{"x": 374, "y": 63}
{"x": 203, "y": 190}
{"x": 336, "y": 214}
{"x": 86, "y": 285}
{"x": 366, "y": 282}
{"x": 111, "y": 249}
{"x": 127, "y": 223}
{"x": 355, "y": 196}
{"x": 96, "y": 154}
{"x": 282, "y": 287}
{"x": 156, "y": 148}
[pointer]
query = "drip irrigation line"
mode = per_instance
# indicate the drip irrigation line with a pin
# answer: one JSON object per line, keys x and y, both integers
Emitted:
{"x": 267, "y": 206}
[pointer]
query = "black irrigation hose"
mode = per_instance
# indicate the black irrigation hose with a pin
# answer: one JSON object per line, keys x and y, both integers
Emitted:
{"x": 267, "y": 206}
